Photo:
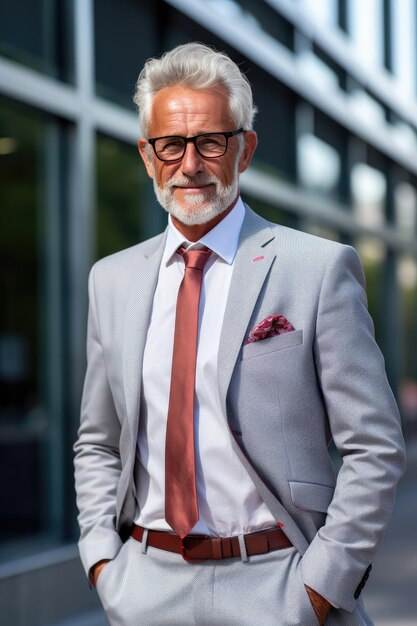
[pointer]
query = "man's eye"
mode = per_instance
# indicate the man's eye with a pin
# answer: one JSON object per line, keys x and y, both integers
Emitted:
{"x": 172, "y": 145}
{"x": 210, "y": 142}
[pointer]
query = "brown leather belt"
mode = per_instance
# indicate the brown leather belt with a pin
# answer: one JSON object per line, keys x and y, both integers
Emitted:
{"x": 204, "y": 548}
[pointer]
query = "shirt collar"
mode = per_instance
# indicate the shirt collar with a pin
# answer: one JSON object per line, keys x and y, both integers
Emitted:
{"x": 222, "y": 239}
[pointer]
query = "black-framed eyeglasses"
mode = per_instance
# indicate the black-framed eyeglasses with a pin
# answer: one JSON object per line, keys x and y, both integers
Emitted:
{"x": 208, "y": 145}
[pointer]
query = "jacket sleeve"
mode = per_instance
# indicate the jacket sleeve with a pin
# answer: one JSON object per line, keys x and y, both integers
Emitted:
{"x": 365, "y": 426}
{"x": 97, "y": 459}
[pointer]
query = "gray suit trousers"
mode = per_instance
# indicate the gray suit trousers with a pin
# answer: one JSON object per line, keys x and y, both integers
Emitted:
{"x": 151, "y": 587}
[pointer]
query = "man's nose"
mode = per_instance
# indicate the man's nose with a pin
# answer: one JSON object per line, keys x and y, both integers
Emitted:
{"x": 192, "y": 162}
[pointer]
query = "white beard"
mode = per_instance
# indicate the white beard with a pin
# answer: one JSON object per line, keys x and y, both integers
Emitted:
{"x": 200, "y": 209}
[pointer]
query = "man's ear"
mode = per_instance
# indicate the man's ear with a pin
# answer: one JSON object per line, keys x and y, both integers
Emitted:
{"x": 143, "y": 148}
{"x": 251, "y": 141}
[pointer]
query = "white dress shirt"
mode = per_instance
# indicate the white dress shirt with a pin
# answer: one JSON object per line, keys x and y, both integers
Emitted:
{"x": 228, "y": 502}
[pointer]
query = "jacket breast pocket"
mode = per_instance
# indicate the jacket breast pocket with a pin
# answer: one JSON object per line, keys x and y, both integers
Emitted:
{"x": 272, "y": 344}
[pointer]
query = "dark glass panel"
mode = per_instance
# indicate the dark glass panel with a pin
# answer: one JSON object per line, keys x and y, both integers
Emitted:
{"x": 126, "y": 36}
{"x": 277, "y": 215}
{"x": 369, "y": 196}
{"x": 318, "y": 166}
{"x": 126, "y": 210}
{"x": 275, "y": 125}
{"x": 38, "y": 33}
{"x": 176, "y": 28}
{"x": 270, "y": 21}
{"x": 24, "y": 416}
{"x": 336, "y": 136}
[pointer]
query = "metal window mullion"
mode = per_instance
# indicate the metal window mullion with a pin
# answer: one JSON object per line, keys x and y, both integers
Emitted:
{"x": 39, "y": 91}
{"x": 82, "y": 177}
{"x": 388, "y": 43}
{"x": 81, "y": 202}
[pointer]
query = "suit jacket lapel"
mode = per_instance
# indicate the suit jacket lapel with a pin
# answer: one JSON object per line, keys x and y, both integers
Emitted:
{"x": 253, "y": 260}
{"x": 138, "y": 309}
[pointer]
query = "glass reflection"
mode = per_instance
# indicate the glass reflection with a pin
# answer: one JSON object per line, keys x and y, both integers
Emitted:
{"x": 368, "y": 191}
{"x": 121, "y": 184}
{"x": 124, "y": 37}
{"x": 272, "y": 213}
{"x": 318, "y": 165}
{"x": 32, "y": 32}
{"x": 405, "y": 204}
{"x": 323, "y": 12}
{"x": 403, "y": 27}
{"x": 366, "y": 109}
{"x": 404, "y": 136}
{"x": 316, "y": 71}
{"x": 368, "y": 187}
{"x": 365, "y": 26}
{"x": 24, "y": 417}
{"x": 256, "y": 19}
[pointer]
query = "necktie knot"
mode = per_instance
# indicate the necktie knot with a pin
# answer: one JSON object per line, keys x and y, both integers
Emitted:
{"x": 195, "y": 259}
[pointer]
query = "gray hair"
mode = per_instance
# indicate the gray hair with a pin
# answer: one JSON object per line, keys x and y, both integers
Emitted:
{"x": 196, "y": 66}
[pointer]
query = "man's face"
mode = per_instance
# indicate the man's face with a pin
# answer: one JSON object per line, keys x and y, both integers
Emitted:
{"x": 195, "y": 189}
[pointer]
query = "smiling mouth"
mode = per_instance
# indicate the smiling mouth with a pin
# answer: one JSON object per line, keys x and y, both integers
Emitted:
{"x": 193, "y": 187}
{"x": 195, "y": 190}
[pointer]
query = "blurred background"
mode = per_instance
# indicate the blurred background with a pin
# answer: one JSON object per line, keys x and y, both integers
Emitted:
{"x": 335, "y": 82}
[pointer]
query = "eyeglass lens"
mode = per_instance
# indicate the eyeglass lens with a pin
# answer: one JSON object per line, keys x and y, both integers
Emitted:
{"x": 173, "y": 148}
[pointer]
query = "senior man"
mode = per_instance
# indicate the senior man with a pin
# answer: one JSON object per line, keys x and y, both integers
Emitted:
{"x": 223, "y": 357}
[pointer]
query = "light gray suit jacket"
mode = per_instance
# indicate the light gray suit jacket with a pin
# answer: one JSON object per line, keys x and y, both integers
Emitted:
{"x": 285, "y": 398}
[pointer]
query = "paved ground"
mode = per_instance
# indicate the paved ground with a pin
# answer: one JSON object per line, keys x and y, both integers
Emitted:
{"x": 391, "y": 592}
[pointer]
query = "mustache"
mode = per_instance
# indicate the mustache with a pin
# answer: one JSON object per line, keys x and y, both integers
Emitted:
{"x": 197, "y": 181}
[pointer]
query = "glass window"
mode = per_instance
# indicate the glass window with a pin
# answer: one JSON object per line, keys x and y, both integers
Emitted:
{"x": 318, "y": 165}
{"x": 39, "y": 34}
{"x": 177, "y": 28}
{"x": 365, "y": 26}
{"x": 27, "y": 425}
{"x": 405, "y": 203}
{"x": 317, "y": 71}
{"x": 323, "y": 12}
{"x": 277, "y": 215}
{"x": 404, "y": 136}
{"x": 126, "y": 209}
{"x": 125, "y": 36}
{"x": 366, "y": 108}
{"x": 337, "y": 138}
{"x": 258, "y": 17}
{"x": 403, "y": 26}
{"x": 373, "y": 255}
{"x": 275, "y": 125}
{"x": 368, "y": 190}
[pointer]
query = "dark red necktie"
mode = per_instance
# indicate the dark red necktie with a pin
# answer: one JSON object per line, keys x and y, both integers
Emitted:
{"x": 181, "y": 508}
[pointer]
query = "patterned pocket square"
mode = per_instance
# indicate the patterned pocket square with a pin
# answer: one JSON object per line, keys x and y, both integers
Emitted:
{"x": 269, "y": 327}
